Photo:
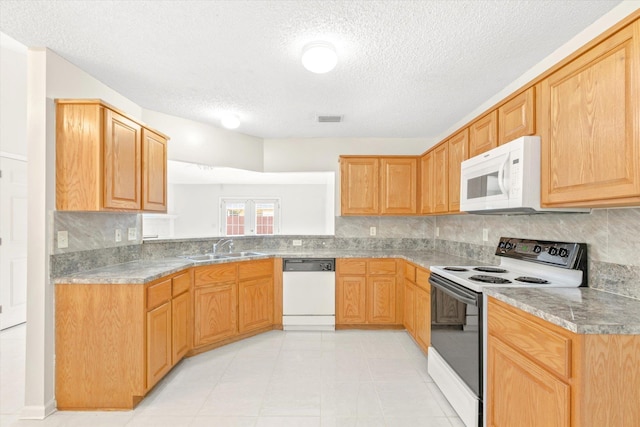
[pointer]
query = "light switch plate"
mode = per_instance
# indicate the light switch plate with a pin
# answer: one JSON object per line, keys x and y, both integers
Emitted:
{"x": 132, "y": 234}
{"x": 485, "y": 234}
{"x": 63, "y": 239}
{"x": 296, "y": 242}
{"x": 373, "y": 231}
{"x": 118, "y": 235}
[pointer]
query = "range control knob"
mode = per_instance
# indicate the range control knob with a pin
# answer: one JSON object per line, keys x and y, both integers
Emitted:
{"x": 537, "y": 249}
{"x": 563, "y": 253}
{"x": 553, "y": 251}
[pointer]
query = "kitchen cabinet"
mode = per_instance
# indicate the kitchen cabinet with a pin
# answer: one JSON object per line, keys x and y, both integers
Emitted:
{"x": 590, "y": 131}
{"x": 181, "y": 326}
{"x": 426, "y": 183}
{"x": 440, "y": 183}
{"x": 367, "y": 292}
{"x": 232, "y": 301}
{"x": 399, "y": 180}
{"x": 359, "y": 185}
{"x": 517, "y": 117}
{"x": 378, "y": 185}
{"x": 107, "y": 161}
{"x": 114, "y": 342}
{"x": 458, "y": 147}
{"x": 542, "y": 375}
{"x": 417, "y": 306}
{"x": 483, "y": 134}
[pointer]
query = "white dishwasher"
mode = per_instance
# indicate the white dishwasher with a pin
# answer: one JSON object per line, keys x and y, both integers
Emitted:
{"x": 309, "y": 294}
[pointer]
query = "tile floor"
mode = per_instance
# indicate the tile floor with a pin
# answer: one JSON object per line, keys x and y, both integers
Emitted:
{"x": 298, "y": 379}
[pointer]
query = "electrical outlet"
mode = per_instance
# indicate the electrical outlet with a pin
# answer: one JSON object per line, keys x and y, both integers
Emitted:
{"x": 372, "y": 231}
{"x": 296, "y": 242}
{"x": 63, "y": 239}
{"x": 437, "y": 231}
{"x": 132, "y": 234}
{"x": 118, "y": 235}
{"x": 485, "y": 234}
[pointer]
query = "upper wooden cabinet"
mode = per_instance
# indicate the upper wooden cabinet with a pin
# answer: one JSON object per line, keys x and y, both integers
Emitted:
{"x": 590, "y": 136}
{"x": 517, "y": 117}
{"x": 440, "y": 183}
{"x": 359, "y": 185}
{"x": 106, "y": 161}
{"x": 399, "y": 180}
{"x": 378, "y": 185}
{"x": 426, "y": 183}
{"x": 458, "y": 147}
{"x": 483, "y": 134}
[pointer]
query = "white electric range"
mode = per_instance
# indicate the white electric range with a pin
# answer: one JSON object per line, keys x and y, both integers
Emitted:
{"x": 458, "y": 351}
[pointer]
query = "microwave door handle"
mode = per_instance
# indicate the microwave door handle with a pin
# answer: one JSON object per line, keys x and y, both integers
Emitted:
{"x": 501, "y": 182}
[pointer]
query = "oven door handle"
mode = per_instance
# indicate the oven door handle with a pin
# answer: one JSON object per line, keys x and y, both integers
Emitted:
{"x": 453, "y": 289}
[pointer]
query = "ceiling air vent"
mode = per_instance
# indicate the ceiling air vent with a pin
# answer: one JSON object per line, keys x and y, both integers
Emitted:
{"x": 329, "y": 119}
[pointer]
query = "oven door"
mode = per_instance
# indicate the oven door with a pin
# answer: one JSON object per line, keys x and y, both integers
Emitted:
{"x": 456, "y": 329}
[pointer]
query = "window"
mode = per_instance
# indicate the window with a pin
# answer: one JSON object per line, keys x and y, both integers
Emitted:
{"x": 240, "y": 217}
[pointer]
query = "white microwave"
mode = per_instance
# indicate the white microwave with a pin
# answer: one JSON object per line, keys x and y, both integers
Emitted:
{"x": 505, "y": 180}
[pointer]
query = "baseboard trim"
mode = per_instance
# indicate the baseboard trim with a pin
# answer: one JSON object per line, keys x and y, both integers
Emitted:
{"x": 38, "y": 412}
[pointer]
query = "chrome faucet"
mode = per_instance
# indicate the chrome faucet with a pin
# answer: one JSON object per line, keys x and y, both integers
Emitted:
{"x": 220, "y": 243}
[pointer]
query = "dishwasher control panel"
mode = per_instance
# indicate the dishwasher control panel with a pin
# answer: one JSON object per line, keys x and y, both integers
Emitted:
{"x": 308, "y": 264}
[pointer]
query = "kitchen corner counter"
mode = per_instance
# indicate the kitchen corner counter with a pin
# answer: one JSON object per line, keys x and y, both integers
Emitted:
{"x": 579, "y": 310}
{"x": 134, "y": 272}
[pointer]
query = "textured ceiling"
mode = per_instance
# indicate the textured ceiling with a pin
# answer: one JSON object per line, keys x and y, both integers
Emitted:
{"x": 406, "y": 68}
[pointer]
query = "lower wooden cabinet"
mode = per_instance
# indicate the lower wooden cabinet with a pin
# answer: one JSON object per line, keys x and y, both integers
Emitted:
{"x": 367, "y": 292}
{"x": 541, "y": 375}
{"x": 114, "y": 342}
{"x": 159, "y": 341}
{"x": 231, "y": 300}
{"x": 215, "y": 312}
{"x": 417, "y": 305}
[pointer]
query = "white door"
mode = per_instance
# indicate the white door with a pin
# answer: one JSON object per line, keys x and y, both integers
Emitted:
{"x": 13, "y": 247}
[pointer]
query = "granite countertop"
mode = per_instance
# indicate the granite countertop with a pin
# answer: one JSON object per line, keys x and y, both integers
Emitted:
{"x": 144, "y": 271}
{"x": 579, "y": 310}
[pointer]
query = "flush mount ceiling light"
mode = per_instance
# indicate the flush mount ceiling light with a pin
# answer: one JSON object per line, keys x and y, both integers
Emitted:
{"x": 319, "y": 57}
{"x": 230, "y": 121}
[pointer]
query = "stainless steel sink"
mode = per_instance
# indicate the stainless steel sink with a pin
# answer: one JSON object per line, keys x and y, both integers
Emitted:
{"x": 213, "y": 257}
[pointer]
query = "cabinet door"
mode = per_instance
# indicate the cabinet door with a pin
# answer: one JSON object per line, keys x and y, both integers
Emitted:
{"x": 590, "y": 131}
{"x": 440, "y": 183}
{"x": 427, "y": 183}
{"x": 215, "y": 313}
{"x": 516, "y": 117}
{"x": 448, "y": 310}
{"x": 181, "y": 326}
{"x": 521, "y": 393}
{"x": 351, "y": 299}
{"x": 154, "y": 172}
{"x": 483, "y": 134}
{"x": 360, "y": 186}
{"x": 409, "y": 312}
{"x": 158, "y": 343}
{"x": 458, "y": 149}
{"x": 381, "y": 299}
{"x": 255, "y": 304}
{"x": 122, "y": 162}
{"x": 423, "y": 318}
{"x": 398, "y": 185}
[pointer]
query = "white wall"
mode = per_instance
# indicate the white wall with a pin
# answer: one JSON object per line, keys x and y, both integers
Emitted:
{"x": 201, "y": 143}
{"x": 197, "y": 207}
{"x": 13, "y": 96}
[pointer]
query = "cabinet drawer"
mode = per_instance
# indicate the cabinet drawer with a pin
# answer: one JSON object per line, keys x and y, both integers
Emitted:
{"x": 227, "y": 272}
{"x": 158, "y": 293}
{"x": 351, "y": 266}
{"x": 249, "y": 269}
{"x": 181, "y": 283}
{"x": 422, "y": 279}
{"x": 410, "y": 272}
{"x": 382, "y": 267}
{"x": 547, "y": 347}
